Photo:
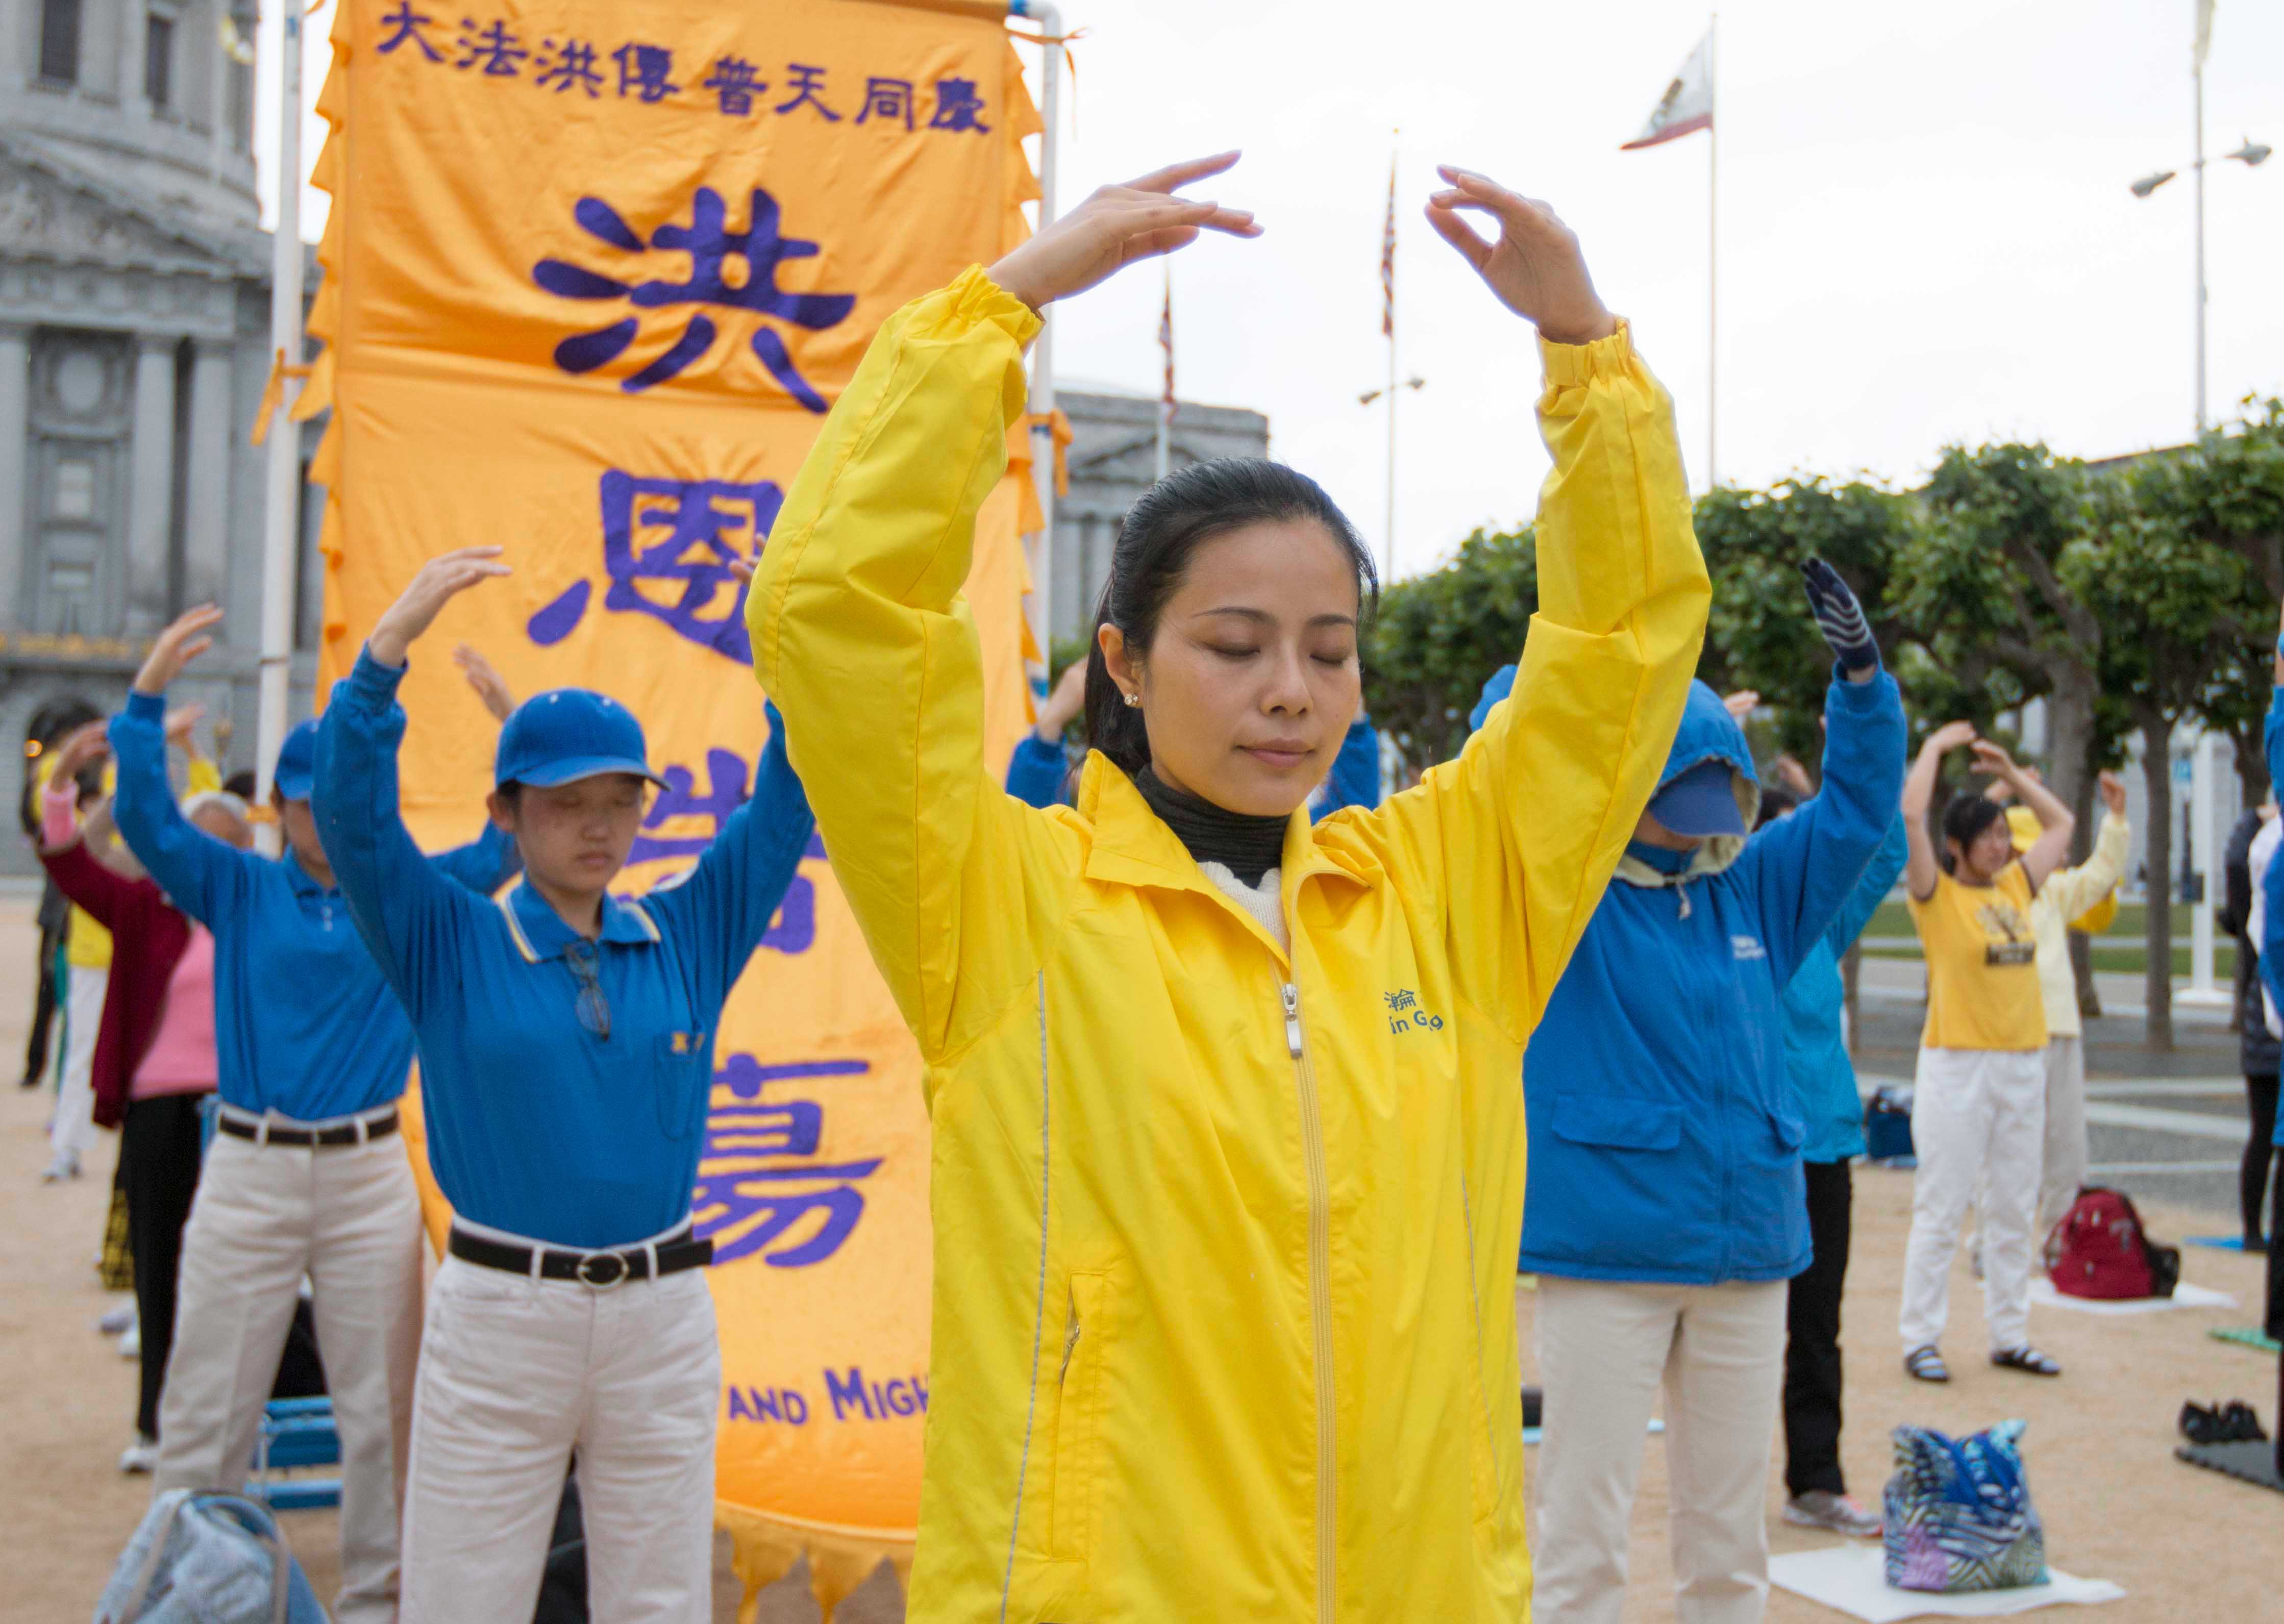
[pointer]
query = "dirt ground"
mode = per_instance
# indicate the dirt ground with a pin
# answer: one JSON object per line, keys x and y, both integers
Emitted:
{"x": 2185, "y": 1544}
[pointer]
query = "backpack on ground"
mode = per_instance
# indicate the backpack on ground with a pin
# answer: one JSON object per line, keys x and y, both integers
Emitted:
{"x": 2100, "y": 1249}
{"x": 1888, "y": 1128}
{"x": 200, "y": 1558}
{"x": 1958, "y": 1515}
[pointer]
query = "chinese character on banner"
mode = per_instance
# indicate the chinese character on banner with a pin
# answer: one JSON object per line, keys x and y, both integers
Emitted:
{"x": 806, "y": 82}
{"x": 642, "y": 70}
{"x": 735, "y": 82}
{"x": 760, "y": 1188}
{"x": 710, "y": 245}
{"x": 573, "y": 65}
{"x": 957, "y": 106}
{"x": 499, "y": 50}
{"x": 410, "y": 25}
{"x": 887, "y": 98}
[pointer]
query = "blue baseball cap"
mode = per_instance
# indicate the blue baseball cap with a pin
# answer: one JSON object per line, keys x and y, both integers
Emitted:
{"x": 1701, "y": 802}
{"x": 568, "y": 734}
{"x": 296, "y": 772}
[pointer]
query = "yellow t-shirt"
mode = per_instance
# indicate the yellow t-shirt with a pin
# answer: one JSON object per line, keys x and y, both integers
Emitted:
{"x": 1981, "y": 964}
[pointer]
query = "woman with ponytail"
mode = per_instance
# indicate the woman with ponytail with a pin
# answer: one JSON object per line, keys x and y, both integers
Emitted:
{"x": 1228, "y": 1148}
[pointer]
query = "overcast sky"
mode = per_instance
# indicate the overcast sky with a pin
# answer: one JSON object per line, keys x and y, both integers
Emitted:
{"x": 1924, "y": 232}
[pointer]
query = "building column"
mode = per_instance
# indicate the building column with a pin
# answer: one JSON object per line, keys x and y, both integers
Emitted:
{"x": 206, "y": 530}
{"x": 151, "y": 482}
{"x": 15, "y": 453}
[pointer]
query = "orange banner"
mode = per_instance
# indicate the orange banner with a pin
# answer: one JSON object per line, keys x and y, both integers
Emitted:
{"x": 593, "y": 274}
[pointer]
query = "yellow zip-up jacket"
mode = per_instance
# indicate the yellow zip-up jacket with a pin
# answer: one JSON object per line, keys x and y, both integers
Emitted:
{"x": 1224, "y": 1236}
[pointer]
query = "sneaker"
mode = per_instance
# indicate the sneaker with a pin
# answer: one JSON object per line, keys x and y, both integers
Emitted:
{"x": 140, "y": 1458}
{"x": 65, "y": 1166}
{"x": 1841, "y": 1513}
{"x": 2241, "y": 1424}
{"x": 117, "y": 1321}
{"x": 130, "y": 1342}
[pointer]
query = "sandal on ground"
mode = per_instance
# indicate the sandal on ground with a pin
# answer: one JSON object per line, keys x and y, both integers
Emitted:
{"x": 1925, "y": 1365}
{"x": 2029, "y": 1359}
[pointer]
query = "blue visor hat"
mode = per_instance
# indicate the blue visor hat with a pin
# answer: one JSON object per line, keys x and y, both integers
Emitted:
{"x": 1701, "y": 802}
{"x": 568, "y": 734}
{"x": 296, "y": 772}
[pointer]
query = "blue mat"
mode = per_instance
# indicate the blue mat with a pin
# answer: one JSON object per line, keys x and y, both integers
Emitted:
{"x": 2219, "y": 1243}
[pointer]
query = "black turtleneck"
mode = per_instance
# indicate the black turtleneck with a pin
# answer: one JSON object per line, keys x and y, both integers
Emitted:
{"x": 1248, "y": 847}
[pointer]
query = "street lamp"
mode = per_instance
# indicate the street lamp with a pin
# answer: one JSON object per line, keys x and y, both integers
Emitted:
{"x": 2252, "y": 154}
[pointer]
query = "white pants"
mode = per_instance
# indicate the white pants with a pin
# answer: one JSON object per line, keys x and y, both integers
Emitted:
{"x": 1603, "y": 1349}
{"x": 1978, "y": 1124}
{"x": 2066, "y": 1156}
{"x": 515, "y": 1373}
{"x": 71, "y": 1135}
{"x": 349, "y": 1217}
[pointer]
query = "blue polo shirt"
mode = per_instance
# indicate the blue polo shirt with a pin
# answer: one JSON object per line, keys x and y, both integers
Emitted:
{"x": 304, "y": 1024}
{"x": 536, "y": 1125}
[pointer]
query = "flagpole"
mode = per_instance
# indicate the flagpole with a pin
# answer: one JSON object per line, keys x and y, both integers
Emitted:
{"x": 282, "y": 489}
{"x": 2197, "y": 76}
{"x": 1166, "y": 405}
{"x": 1388, "y": 569}
{"x": 1712, "y": 255}
{"x": 1040, "y": 550}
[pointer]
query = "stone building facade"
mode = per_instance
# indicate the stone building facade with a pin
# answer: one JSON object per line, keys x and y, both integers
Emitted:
{"x": 1113, "y": 458}
{"x": 133, "y": 337}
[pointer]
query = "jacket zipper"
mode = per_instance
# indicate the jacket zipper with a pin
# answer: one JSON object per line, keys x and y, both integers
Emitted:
{"x": 1320, "y": 1306}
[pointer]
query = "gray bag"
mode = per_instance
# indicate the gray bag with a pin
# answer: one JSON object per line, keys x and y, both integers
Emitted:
{"x": 202, "y": 1558}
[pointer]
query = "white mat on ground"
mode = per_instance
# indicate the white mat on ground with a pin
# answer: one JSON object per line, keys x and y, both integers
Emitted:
{"x": 2184, "y": 1296}
{"x": 1853, "y": 1579}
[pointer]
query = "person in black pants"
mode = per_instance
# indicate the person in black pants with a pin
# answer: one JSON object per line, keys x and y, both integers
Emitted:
{"x": 2258, "y": 1050}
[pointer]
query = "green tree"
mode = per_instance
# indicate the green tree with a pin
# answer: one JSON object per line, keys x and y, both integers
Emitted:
{"x": 1439, "y": 636}
{"x": 2227, "y": 491}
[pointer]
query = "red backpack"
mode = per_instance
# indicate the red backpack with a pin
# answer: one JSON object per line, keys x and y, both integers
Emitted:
{"x": 2099, "y": 1249}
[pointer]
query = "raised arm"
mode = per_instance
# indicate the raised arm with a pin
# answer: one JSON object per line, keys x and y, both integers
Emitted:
{"x": 406, "y": 907}
{"x": 2074, "y": 890}
{"x": 1923, "y": 863}
{"x": 724, "y": 902}
{"x": 2056, "y": 824}
{"x": 202, "y": 876}
{"x": 1518, "y": 837}
{"x": 861, "y": 637}
{"x": 1871, "y": 888}
{"x": 1038, "y": 770}
{"x": 63, "y": 852}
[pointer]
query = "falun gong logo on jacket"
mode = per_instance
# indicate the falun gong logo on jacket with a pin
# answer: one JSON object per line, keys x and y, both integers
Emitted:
{"x": 1405, "y": 1015}
{"x": 1743, "y": 948}
{"x": 2009, "y": 940}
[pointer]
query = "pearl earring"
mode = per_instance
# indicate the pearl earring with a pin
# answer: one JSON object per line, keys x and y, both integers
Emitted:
{"x": 1134, "y": 701}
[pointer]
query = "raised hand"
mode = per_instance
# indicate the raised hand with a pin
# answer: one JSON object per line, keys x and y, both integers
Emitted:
{"x": 1065, "y": 701}
{"x": 182, "y": 725}
{"x": 1950, "y": 737}
{"x": 1841, "y": 618}
{"x": 1534, "y": 268}
{"x": 185, "y": 640}
{"x": 1114, "y": 228}
{"x": 1991, "y": 756}
{"x": 80, "y": 746}
{"x": 438, "y": 582}
{"x": 2113, "y": 793}
{"x": 490, "y": 686}
{"x": 1740, "y": 704}
{"x": 1794, "y": 776}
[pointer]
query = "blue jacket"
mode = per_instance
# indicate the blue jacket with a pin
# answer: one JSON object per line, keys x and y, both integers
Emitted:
{"x": 2272, "y": 883}
{"x": 1664, "y": 1142}
{"x": 304, "y": 1024}
{"x": 538, "y": 1125}
{"x": 1823, "y": 1077}
{"x": 1039, "y": 774}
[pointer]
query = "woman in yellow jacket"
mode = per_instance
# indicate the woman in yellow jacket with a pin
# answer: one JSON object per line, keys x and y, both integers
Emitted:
{"x": 1228, "y": 1156}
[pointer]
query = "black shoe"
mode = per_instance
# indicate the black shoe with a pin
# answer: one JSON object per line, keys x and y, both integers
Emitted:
{"x": 2241, "y": 1424}
{"x": 2200, "y": 1425}
{"x": 2256, "y": 1245}
{"x": 1534, "y": 1407}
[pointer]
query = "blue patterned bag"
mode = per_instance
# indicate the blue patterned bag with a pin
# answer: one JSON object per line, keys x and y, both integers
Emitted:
{"x": 1958, "y": 1513}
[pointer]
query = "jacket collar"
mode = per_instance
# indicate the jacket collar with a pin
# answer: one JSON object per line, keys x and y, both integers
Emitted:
{"x": 1133, "y": 847}
{"x": 540, "y": 933}
{"x": 299, "y": 877}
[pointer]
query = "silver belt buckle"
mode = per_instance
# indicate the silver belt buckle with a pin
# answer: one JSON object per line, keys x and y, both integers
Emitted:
{"x": 618, "y": 1267}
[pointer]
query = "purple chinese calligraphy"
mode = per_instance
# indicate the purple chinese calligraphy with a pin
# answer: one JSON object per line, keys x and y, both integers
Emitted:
{"x": 761, "y": 1189}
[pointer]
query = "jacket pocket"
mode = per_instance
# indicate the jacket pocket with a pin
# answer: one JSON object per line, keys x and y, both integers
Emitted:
{"x": 1617, "y": 1124}
{"x": 1079, "y": 1470}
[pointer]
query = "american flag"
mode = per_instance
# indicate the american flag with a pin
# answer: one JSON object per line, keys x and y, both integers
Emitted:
{"x": 1387, "y": 260}
{"x": 1166, "y": 345}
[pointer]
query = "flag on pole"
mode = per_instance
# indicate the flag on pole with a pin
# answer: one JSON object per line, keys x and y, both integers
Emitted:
{"x": 1387, "y": 260}
{"x": 1687, "y": 107}
{"x": 1166, "y": 347}
{"x": 2203, "y": 47}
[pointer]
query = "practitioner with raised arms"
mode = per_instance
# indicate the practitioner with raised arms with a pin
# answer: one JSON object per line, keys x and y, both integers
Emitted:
{"x": 566, "y": 1055}
{"x": 306, "y": 1175}
{"x": 1228, "y": 1145}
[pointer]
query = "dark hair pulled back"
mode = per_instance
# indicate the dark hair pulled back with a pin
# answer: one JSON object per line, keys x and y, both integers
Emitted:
{"x": 1160, "y": 535}
{"x": 1966, "y": 817}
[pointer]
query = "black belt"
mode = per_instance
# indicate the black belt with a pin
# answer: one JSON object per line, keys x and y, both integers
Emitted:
{"x": 598, "y": 1270}
{"x": 348, "y": 1133}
